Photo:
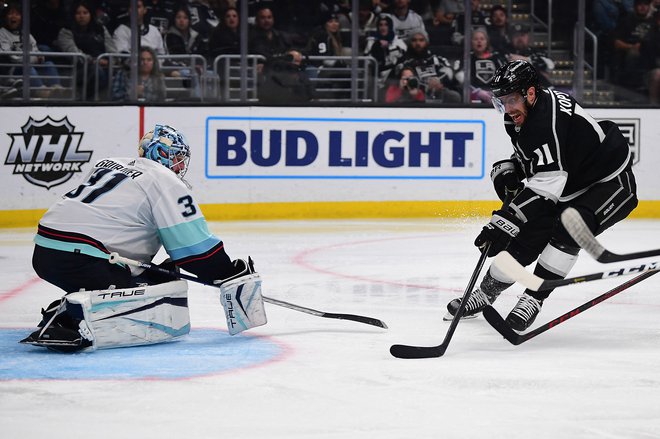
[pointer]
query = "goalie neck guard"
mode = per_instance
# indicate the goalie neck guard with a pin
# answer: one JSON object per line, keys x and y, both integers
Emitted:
{"x": 168, "y": 147}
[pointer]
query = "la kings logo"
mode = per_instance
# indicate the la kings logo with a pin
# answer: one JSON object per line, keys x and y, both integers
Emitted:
{"x": 630, "y": 128}
{"x": 46, "y": 152}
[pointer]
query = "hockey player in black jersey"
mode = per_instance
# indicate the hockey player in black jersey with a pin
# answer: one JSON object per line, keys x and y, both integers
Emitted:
{"x": 566, "y": 159}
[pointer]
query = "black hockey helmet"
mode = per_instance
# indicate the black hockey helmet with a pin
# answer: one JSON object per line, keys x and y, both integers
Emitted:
{"x": 517, "y": 75}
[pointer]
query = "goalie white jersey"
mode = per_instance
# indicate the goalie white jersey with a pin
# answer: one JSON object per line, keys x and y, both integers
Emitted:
{"x": 131, "y": 206}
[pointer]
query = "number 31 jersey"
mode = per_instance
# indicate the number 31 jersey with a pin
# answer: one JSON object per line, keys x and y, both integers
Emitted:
{"x": 130, "y": 206}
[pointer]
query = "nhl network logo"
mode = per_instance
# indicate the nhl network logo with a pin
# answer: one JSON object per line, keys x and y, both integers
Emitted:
{"x": 46, "y": 153}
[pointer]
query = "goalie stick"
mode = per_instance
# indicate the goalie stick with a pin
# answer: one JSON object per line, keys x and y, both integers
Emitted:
{"x": 116, "y": 258}
{"x": 497, "y": 322}
{"x": 579, "y": 231}
{"x": 513, "y": 269}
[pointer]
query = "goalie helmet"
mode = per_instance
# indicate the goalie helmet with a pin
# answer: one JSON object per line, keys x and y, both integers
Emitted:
{"x": 168, "y": 147}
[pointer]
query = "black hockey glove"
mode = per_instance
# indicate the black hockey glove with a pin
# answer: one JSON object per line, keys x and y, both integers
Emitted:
{"x": 503, "y": 227}
{"x": 506, "y": 178}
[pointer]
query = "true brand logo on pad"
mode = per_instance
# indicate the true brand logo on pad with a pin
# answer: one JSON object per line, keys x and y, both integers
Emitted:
{"x": 344, "y": 148}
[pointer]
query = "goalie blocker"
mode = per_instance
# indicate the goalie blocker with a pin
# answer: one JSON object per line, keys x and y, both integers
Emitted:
{"x": 241, "y": 298}
{"x": 100, "y": 319}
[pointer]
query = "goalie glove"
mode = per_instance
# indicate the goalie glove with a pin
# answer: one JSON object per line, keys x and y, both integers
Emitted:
{"x": 501, "y": 229}
{"x": 507, "y": 177}
{"x": 241, "y": 298}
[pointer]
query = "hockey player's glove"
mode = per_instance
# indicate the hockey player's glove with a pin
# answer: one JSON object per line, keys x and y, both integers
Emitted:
{"x": 506, "y": 176}
{"x": 241, "y": 298}
{"x": 503, "y": 227}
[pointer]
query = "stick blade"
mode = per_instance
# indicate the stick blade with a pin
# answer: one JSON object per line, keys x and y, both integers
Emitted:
{"x": 579, "y": 231}
{"x": 406, "y": 351}
{"x": 512, "y": 268}
{"x": 496, "y": 321}
{"x": 360, "y": 319}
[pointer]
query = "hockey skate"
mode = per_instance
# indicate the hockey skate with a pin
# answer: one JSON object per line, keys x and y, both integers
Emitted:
{"x": 475, "y": 304}
{"x": 59, "y": 330}
{"x": 486, "y": 294}
{"x": 524, "y": 313}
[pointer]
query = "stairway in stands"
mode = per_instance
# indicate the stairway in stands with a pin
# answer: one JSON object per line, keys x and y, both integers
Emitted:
{"x": 560, "y": 51}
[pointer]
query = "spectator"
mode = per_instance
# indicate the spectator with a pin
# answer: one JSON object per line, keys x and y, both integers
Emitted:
{"x": 181, "y": 39}
{"x": 85, "y": 34}
{"x": 484, "y": 64}
{"x": 605, "y": 15}
{"x": 285, "y": 81}
{"x": 479, "y": 19}
{"x": 203, "y": 20}
{"x": 498, "y": 30}
{"x": 265, "y": 39}
{"x": 43, "y": 75}
{"x": 628, "y": 36}
{"x": 225, "y": 39}
{"x": 151, "y": 82}
{"x": 385, "y": 47}
{"x": 448, "y": 11}
{"x": 406, "y": 90}
{"x": 521, "y": 49}
{"x": 149, "y": 34}
{"x": 47, "y": 17}
{"x": 160, "y": 13}
{"x": 406, "y": 21}
{"x": 326, "y": 40}
{"x": 434, "y": 72}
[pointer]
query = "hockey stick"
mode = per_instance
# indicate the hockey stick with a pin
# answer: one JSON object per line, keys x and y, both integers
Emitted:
{"x": 497, "y": 322}
{"x": 115, "y": 258}
{"x": 406, "y": 351}
{"x": 579, "y": 231}
{"x": 507, "y": 264}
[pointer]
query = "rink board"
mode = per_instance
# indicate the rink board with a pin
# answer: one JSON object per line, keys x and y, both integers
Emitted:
{"x": 290, "y": 163}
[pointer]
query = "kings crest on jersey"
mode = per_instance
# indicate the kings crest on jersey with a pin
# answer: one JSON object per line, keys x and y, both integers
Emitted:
{"x": 564, "y": 150}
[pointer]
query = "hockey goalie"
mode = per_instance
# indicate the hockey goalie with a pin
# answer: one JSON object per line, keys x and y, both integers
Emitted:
{"x": 134, "y": 206}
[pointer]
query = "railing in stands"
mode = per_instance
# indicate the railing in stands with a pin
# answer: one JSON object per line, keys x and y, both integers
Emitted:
{"x": 58, "y": 76}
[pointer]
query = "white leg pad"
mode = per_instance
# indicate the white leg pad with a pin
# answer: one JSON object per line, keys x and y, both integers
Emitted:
{"x": 243, "y": 303}
{"x": 134, "y": 316}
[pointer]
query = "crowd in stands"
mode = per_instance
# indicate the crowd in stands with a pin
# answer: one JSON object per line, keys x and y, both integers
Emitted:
{"x": 417, "y": 45}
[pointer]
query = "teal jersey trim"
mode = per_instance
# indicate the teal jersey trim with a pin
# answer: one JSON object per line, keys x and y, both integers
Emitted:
{"x": 85, "y": 249}
{"x": 187, "y": 239}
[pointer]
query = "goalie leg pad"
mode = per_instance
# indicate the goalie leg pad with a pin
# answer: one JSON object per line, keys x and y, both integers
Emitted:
{"x": 243, "y": 303}
{"x": 133, "y": 316}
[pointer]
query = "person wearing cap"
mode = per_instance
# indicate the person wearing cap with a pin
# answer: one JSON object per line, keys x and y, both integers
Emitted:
{"x": 326, "y": 40}
{"x": 434, "y": 72}
{"x": 562, "y": 157}
{"x": 521, "y": 49}
{"x": 385, "y": 47}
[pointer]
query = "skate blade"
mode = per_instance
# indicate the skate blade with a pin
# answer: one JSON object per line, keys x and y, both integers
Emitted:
{"x": 448, "y": 317}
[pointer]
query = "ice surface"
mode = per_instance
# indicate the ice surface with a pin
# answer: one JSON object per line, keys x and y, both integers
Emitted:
{"x": 300, "y": 376}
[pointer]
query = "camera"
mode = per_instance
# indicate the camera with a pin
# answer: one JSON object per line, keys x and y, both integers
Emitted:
{"x": 413, "y": 83}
